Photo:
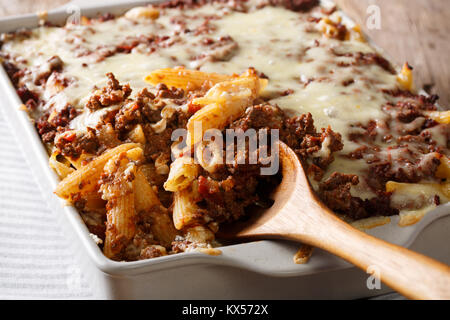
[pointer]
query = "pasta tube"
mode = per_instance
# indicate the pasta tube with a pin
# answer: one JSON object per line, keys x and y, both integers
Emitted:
{"x": 223, "y": 103}
{"x": 182, "y": 171}
{"x": 85, "y": 179}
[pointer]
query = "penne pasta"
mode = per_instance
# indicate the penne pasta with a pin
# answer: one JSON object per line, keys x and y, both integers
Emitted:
{"x": 210, "y": 156}
{"x": 145, "y": 196}
{"x": 191, "y": 80}
{"x": 62, "y": 168}
{"x": 185, "y": 209}
{"x": 415, "y": 199}
{"x": 94, "y": 202}
{"x": 445, "y": 188}
{"x": 419, "y": 188}
{"x": 235, "y": 90}
{"x": 162, "y": 227}
{"x": 120, "y": 227}
{"x": 137, "y": 135}
{"x": 418, "y": 193}
{"x": 329, "y": 28}
{"x": 440, "y": 116}
{"x": 161, "y": 164}
{"x": 142, "y": 13}
{"x": 53, "y": 86}
{"x": 333, "y": 29}
{"x": 85, "y": 179}
{"x": 223, "y": 103}
{"x": 135, "y": 154}
{"x": 146, "y": 200}
{"x": 405, "y": 77}
{"x": 188, "y": 80}
{"x": 303, "y": 254}
{"x": 443, "y": 170}
{"x": 355, "y": 33}
{"x": 82, "y": 159}
{"x": 118, "y": 190}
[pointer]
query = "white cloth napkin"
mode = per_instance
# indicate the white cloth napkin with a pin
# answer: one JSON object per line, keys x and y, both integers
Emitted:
{"x": 35, "y": 262}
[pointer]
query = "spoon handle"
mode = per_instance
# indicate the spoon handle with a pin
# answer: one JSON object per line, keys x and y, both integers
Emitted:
{"x": 411, "y": 274}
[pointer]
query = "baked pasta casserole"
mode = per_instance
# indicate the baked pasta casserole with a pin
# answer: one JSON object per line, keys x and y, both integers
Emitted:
{"x": 124, "y": 104}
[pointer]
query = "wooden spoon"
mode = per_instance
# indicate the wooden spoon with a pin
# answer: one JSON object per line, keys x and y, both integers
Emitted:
{"x": 297, "y": 214}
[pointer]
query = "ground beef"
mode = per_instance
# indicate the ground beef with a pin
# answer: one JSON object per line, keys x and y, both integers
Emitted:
{"x": 264, "y": 116}
{"x": 222, "y": 49}
{"x": 28, "y": 97}
{"x": 237, "y": 5}
{"x": 233, "y": 188}
{"x": 428, "y": 102}
{"x": 112, "y": 93}
{"x": 295, "y": 5}
{"x": 163, "y": 92}
{"x": 335, "y": 193}
{"x": 367, "y": 133}
{"x": 54, "y": 64}
{"x": 298, "y": 132}
{"x": 361, "y": 59}
{"x": 73, "y": 145}
{"x": 152, "y": 252}
{"x": 402, "y": 169}
{"x": 377, "y": 206}
{"x": 106, "y": 17}
{"x": 373, "y": 58}
{"x": 179, "y": 4}
{"x": 301, "y": 135}
{"x": 12, "y": 71}
{"x": 142, "y": 110}
{"x": 341, "y": 33}
{"x": 48, "y": 127}
{"x": 227, "y": 196}
{"x": 151, "y": 42}
{"x": 408, "y": 110}
{"x": 412, "y": 155}
{"x": 160, "y": 142}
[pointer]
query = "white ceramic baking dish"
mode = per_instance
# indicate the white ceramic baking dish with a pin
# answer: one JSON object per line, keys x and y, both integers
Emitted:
{"x": 256, "y": 270}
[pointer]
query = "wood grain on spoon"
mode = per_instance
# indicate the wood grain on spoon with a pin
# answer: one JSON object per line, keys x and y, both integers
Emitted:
{"x": 297, "y": 214}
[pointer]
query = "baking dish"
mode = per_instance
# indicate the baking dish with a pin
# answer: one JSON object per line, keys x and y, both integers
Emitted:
{"x": 242, "y": 271}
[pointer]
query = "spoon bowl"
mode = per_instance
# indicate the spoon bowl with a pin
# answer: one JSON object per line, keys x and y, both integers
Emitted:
{"x": 298, "y": 214}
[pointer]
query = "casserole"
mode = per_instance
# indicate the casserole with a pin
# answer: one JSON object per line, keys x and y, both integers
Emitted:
{"x": 253, "y": 256}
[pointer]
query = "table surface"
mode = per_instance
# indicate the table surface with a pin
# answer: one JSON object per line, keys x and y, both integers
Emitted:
{"x": 417, "y": 31}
